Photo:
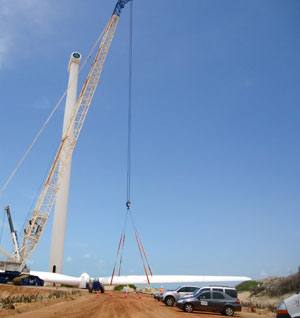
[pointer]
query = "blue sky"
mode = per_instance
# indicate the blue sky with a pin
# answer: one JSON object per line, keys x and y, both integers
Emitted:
{"x": 215, "y": 132}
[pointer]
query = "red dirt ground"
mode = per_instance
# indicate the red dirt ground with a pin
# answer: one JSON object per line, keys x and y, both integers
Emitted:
{"x": 110, "y": 305}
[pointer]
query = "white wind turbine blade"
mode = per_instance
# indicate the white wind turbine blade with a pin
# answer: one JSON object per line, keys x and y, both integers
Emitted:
{"x": 167, "y": 279}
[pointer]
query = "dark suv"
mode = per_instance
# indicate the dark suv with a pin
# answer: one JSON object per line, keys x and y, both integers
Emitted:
{"x": 230, "y": 291}
{"x": 216, "y": 301}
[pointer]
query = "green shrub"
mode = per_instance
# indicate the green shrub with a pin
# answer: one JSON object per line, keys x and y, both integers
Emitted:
{"x": 249, "y": 285}
{"x": 132, "y": 286}
{"x": 120, "y": 287}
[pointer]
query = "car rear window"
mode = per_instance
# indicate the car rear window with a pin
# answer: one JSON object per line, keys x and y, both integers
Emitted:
{"x": 231, "y": 293}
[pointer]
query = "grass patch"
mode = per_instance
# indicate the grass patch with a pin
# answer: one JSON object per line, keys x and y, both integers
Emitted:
{"x": 249, "y": 285}
{"x": 272, "y": 287}
{"x": 120, "y": 287}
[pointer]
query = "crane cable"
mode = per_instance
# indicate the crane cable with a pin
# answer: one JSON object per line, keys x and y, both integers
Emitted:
{"x": 119, "y": 255}
{"x": 121, "y": 244}
{"x": 44, "y": 125}
{"x": 142, "y": 249}
{"x": 129, "y": 118}
{"x": 146, "y": 265}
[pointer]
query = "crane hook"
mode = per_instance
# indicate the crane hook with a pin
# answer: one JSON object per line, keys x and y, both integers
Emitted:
{"x": 128, "y": 205}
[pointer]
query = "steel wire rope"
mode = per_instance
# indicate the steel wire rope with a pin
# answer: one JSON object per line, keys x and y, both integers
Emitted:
{"x": 123, "y": 242}
{"x": 140, "y": 244}
{"x": 119, "y": 254}
{"x": 120, "y": 249}
{"x": 141, "y": 249}
{"x": 129, "y": 119}
{"x": 129, "y": 127}
{"x": 129, "y": 148}
{"x": 44, "y": 125}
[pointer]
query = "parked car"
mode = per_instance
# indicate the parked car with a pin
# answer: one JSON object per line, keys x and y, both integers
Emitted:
{"x": 289, "y": 308}
{"x": 230, "y": 291}
{"x": 215, "y": 301}
{"x": 171, "y": 296}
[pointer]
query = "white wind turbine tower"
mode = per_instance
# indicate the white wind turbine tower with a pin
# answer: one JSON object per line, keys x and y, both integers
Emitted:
{"x": 61, "y": 205}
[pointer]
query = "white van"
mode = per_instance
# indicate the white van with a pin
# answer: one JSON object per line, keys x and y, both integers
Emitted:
{"x": 289, "y": 308}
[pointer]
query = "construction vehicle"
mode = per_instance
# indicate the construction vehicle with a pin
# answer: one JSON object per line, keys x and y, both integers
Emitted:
{"x": 9, "y": 270}
{"x": 95, "y": 285}
{"x": 18, "y": 278}
{"x": 15, "y": 263}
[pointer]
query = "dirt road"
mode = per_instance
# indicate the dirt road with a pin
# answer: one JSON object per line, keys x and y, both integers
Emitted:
{"x": 114, "y": 305}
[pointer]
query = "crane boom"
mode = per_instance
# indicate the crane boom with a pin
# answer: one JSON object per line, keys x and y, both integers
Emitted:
{"x": 13, "y": 233}
{"x": 46, "y": 199}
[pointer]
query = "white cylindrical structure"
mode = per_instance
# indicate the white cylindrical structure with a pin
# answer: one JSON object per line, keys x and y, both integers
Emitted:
{"x": 61, "y": 205}
{"x": 171, "y": 279}
{"x": 54, "y": 278}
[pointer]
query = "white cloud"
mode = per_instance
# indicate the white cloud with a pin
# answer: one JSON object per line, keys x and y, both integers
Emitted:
{"x": 20, "y": 22}
{"x": 69, "y": 259}
{"x": 87, "y": 256}
{"x": 34, "y": 12}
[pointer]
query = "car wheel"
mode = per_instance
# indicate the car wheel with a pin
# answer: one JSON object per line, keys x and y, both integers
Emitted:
{"x": 188, "y": 308}
{"x": 169, "y": 301}
{"x": 228, "y": 311}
